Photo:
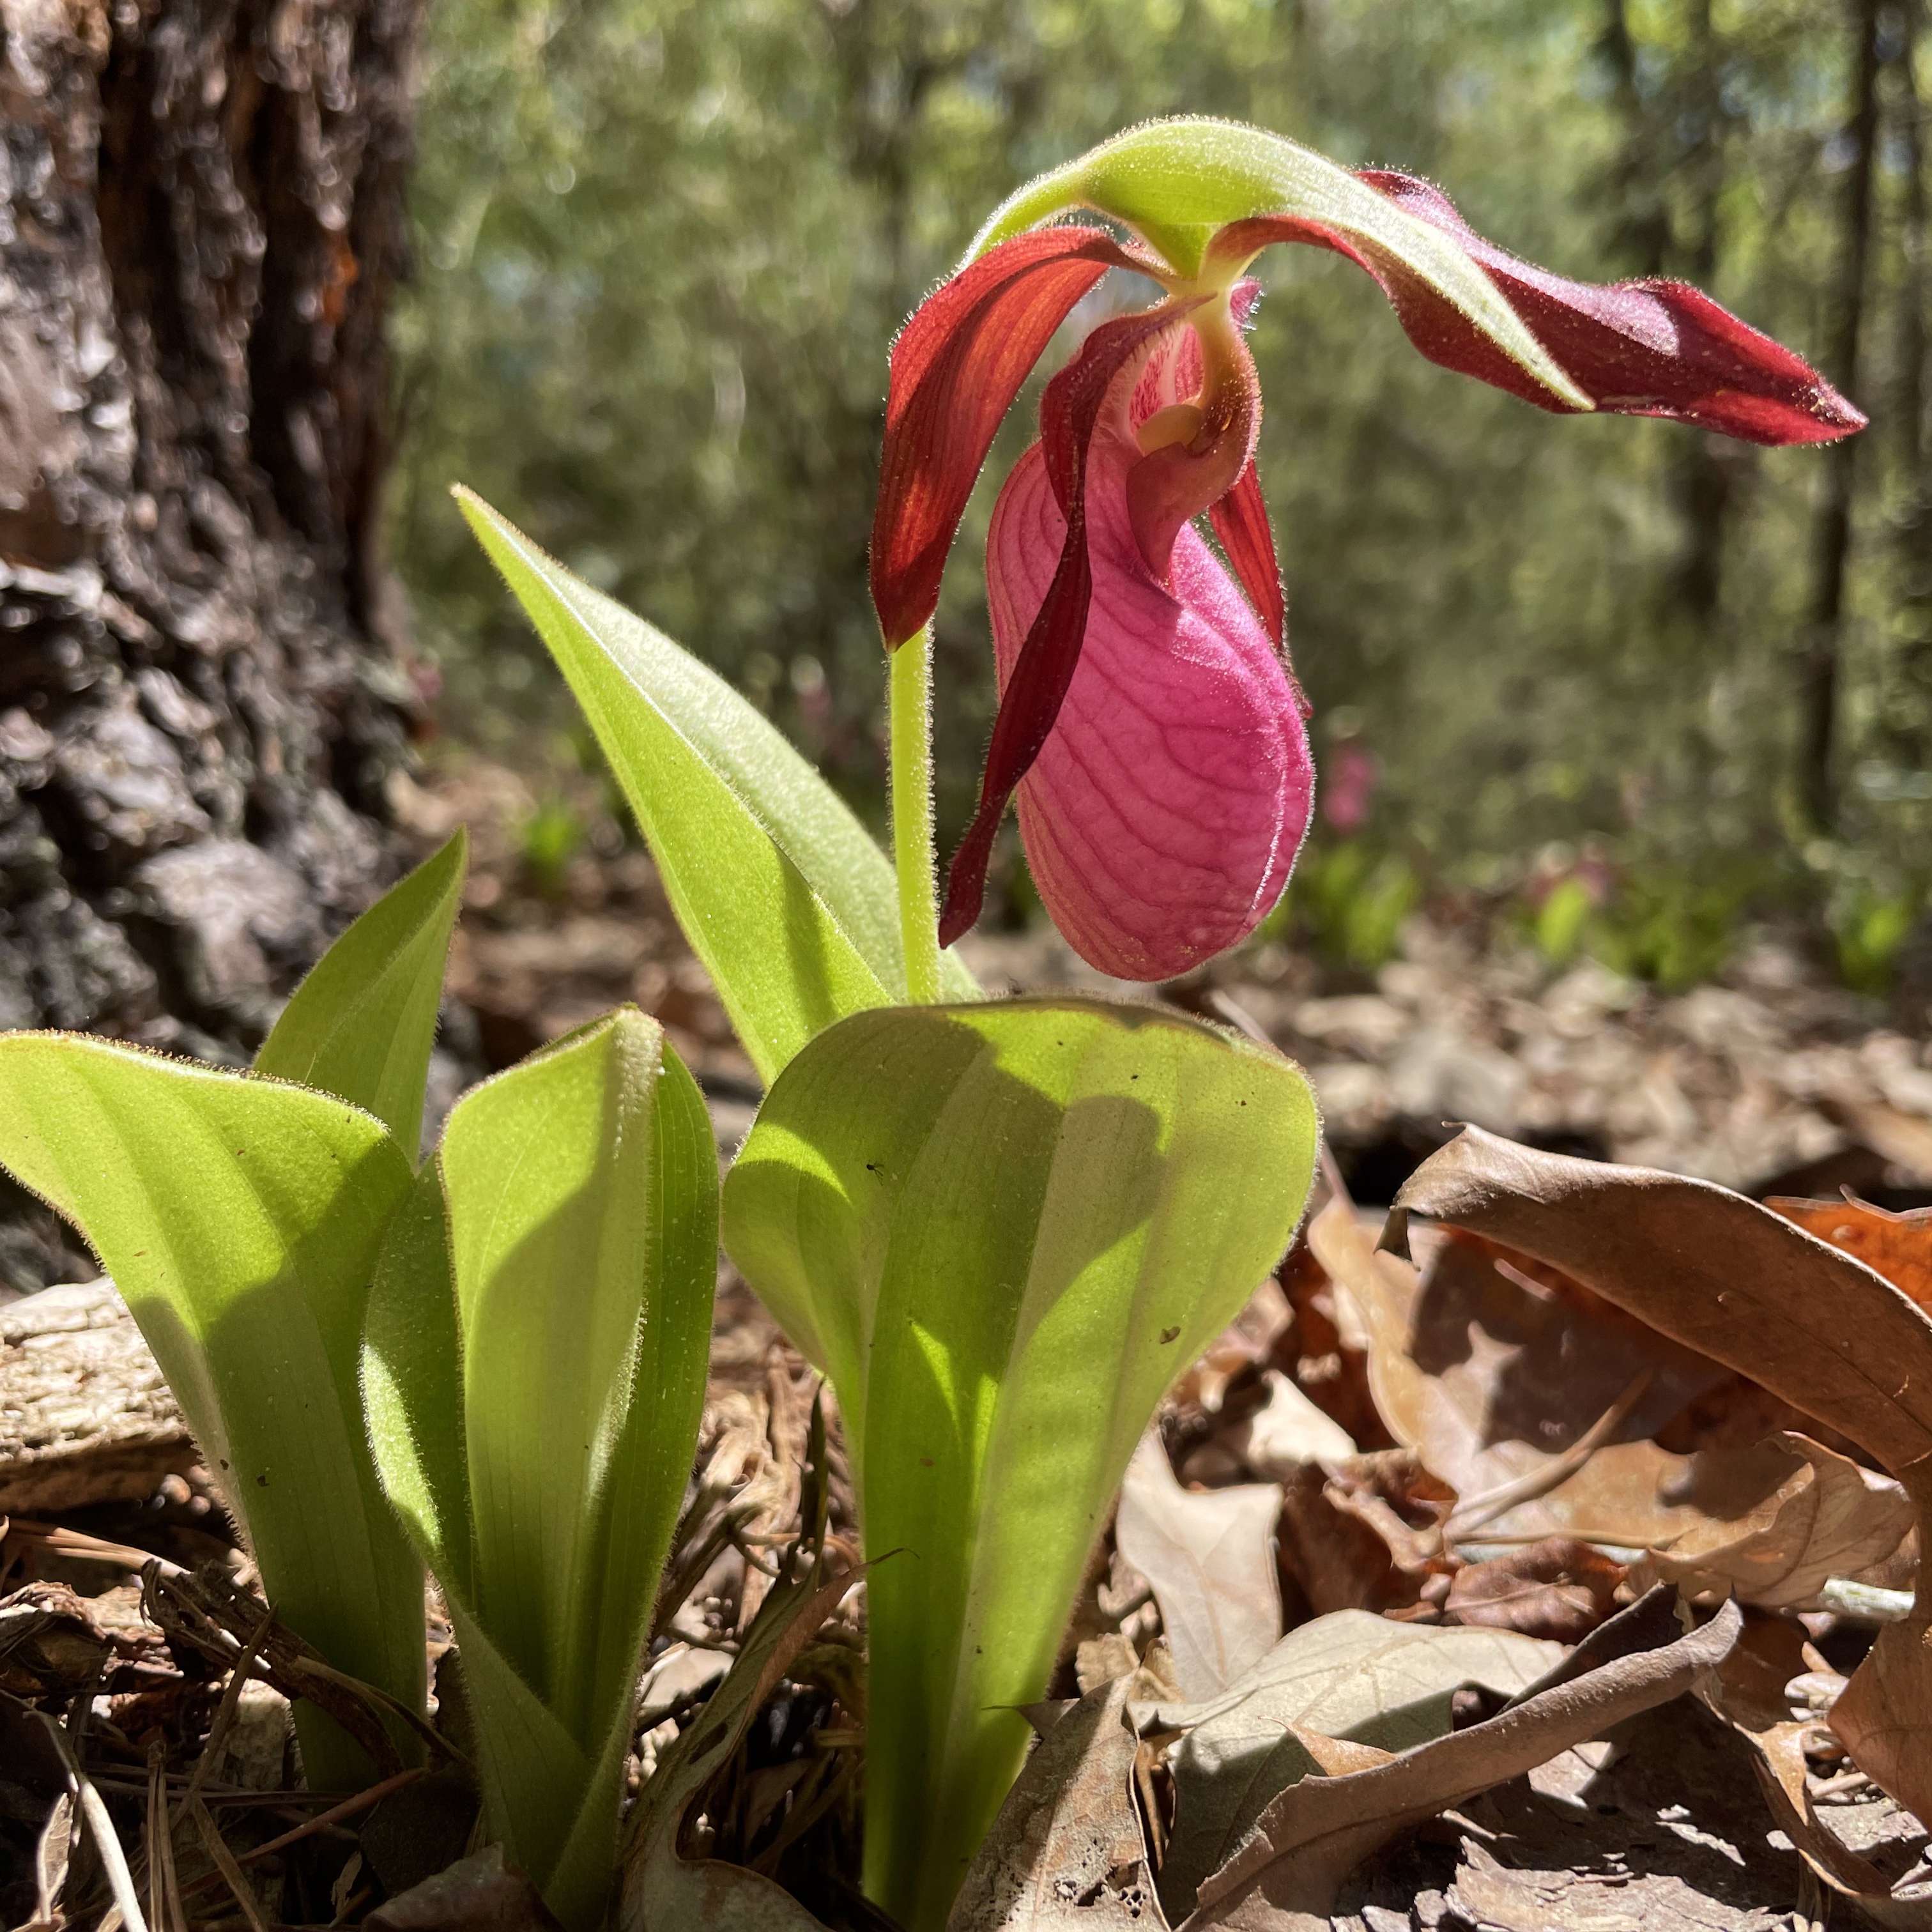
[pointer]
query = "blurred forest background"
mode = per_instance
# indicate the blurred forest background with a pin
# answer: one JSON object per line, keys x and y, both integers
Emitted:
{"x": 1620, "y": 682}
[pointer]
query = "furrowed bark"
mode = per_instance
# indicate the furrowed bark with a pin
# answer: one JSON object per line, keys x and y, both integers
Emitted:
{"x": 201, "y": 695}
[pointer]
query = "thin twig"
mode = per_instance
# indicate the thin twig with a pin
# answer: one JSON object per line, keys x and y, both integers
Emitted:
{"x": 224, "y": 1863}
{"x": 93, "y": 1807}
{"x": 336, "y": 1814}
{"x": 231, "y": 1701}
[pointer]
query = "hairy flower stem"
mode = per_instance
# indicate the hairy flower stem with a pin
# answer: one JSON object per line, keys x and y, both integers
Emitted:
{"x": 911, "y": 676}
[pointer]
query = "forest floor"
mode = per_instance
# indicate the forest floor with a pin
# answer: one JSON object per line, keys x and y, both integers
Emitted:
{"x": 1496, "y": 1495}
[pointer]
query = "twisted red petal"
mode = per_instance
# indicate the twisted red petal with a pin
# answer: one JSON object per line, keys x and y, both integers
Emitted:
{"x": 1162, "y": 815}
{"x": 1645, "y": 348}
{"x": 1030, "y": 698}
{"x": 1240, "y": 521}
{"x": 955, "y": 368}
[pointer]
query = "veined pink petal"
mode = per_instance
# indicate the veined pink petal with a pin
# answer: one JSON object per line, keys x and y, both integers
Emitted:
{"x": 1162, "y": 816}
{"x": 956, "y": 367}
{"x": 1645, "y": 348}
{"x": 1042, "y": 669}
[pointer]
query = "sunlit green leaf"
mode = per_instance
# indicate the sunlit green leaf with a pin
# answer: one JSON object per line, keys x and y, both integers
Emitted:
{"x": 241, "y": 1219}
{"x": 1003, "y": 1231}
{"x": 361, "y": 1024}
{"x": 788, "y": 902}
{"x": 534, "y": 1369}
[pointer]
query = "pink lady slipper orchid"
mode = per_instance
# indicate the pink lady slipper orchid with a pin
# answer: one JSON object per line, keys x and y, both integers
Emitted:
{"x": 1147, "y": 717}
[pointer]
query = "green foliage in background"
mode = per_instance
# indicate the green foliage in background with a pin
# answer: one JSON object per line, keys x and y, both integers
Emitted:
{"x": 665, "y": 245}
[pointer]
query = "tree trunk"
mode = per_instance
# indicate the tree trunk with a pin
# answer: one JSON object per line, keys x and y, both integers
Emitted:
{"x": 1832, "y": 536}
{"x": 202, "y": 694}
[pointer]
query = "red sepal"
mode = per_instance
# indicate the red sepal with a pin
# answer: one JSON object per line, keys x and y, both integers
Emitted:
{"x": 1646, "y": 348}
{"x": 956, "y": 367}
{"x": 1240, "y": 521}
{"x": 1044, "y": 668}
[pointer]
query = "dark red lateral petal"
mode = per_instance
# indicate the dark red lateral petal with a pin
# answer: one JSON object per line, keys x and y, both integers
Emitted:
{"x": 1644, "y": 348}
{"x": 1240, "y": 521}
{"x": 1048, "y": 659}
{"x": 956, "y": 367}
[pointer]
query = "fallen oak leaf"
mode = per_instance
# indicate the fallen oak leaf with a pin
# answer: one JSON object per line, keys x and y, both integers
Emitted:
{"x": 1898, "y": 1246}
{"x": 1708, "y": 1269}
{"x": 1067, "y": 1846}
{"x": 1515, "y": 1392}
{"x": 1747, "y": 1691}
{"x": 1557, "y": 1588}
{"x": 1833, "y": 1517}
{"x": 1884, "y": 1716}
{"x": 1350, "y": 1680}
{"x": 1719, "y": 1274}
{"x": 1210, "y": 1557}
{"x": 1311, "y": 1836}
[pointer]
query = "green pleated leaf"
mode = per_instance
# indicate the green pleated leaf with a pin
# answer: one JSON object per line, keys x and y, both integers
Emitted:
{"x": 1176, "y": 182}
{"x": 534, "y": 1368}
{"x": 1002, "y": 1230}
{"x": 241, "y": 1219}
{"x": 782, "y": 893}
{"x": 360, "y": 1026}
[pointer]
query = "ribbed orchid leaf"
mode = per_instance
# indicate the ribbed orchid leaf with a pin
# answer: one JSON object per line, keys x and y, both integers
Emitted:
{"x": 360, "y": 1026}
{"x": 1002, "y": 1230}
{"x": 534, "y": 1370}
{"x": 782, "y": 894}
{"x": 241, "y": 1219}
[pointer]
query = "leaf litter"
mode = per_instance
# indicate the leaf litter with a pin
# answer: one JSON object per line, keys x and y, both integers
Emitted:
{"x": 1573, "y": 1389}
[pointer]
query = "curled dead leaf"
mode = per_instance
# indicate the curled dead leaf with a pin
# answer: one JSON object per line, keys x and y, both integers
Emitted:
{"x": 1536, "y": 1400}
{"x": 1833, "y": 1517}
{"x": 1308, "y": 1839}
{"x": 1748, "y": 1691}
{"x": 1067, "y": 1847}
{"x": 1709, "y": 1270}
{"x": 1331, "y": 1688}
{"x": 1717, "y": 1272}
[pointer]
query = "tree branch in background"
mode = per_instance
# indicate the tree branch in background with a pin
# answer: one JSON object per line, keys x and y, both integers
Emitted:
{"x": 1831, "y": 539}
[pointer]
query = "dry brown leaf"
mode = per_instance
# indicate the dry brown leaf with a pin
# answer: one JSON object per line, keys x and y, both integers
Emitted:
{"x": 661, "y": 1891}
{"x": 1313, "y": 1835}
{"x": 1747, "y": 1691}
{"x": 1711, "y": 1270}
{"x": 1338, "y": 1685}
{"x": 1288, "y": 1429}
{"x": 1718, "y": 1273}
{"x": 1209, "y": 1556}
{"x": 1495, "y": 1376}
{"x": 1557, "y": 1588}
{"x": 1898, "y": 1246}
{"x": 1067, "y": 1849}
{"x": 1884, "y": 1716}
{"x": 477, "y": 1894}
{"x": 1833, "y": 1517}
